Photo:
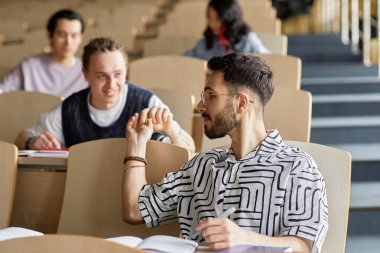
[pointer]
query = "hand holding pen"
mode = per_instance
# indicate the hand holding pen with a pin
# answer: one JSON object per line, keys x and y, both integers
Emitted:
{"x": 220, "y": 233}
{"x": 225, "y": 214}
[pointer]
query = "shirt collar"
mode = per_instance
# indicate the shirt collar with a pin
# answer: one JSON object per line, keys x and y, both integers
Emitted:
{"x": 269, "y": 146}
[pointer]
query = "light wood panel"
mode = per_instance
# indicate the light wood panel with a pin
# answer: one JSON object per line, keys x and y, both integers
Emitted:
{"x": 173, "y": 72}
{"x": 21, "y": 109}
{"x": 8, "y": 166}
{"x": 335, "y": 166}
{"x": 92, "y": 202}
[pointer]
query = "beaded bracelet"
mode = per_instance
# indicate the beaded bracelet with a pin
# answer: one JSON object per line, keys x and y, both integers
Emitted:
{"x": 135, "y": 158}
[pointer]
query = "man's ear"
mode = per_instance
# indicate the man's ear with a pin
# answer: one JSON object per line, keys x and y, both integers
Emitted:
{"x": 243, "y": 102}
{"x": 49, "y": 36}
{"x": 85, "y": 74}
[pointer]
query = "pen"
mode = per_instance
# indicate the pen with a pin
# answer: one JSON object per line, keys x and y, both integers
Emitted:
{"x": 228, "y": 212}
{"x": 225, "y": 214}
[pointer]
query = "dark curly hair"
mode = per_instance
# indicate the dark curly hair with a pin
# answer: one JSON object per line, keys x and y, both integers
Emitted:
{"x": 231, "y": 16}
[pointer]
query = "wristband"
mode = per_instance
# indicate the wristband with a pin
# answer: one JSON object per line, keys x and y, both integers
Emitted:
{"x": 29, "y": 141}
{"x": 135, "y": 158}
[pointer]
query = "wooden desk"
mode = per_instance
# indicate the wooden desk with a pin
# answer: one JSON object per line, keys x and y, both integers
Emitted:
{"x": 40, "y": 186}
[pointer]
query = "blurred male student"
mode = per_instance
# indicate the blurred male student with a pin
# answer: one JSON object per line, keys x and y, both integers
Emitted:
{"x": 58, "y": 72}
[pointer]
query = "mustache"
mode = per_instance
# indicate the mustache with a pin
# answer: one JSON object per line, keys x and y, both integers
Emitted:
{"x": 205, "y": 115}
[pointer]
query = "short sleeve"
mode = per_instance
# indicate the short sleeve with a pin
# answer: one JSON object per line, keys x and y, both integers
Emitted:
{"x": 305, "y": 209}
{"x": 50, "y": 122}
{"x": 13, "y": 81}
{"x": 158, "y": 202}
{"x": 156, "y": 101}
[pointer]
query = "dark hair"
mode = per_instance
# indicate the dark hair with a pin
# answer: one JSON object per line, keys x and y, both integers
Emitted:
{"x": 64, "y": 14}
{"x": 100, "y": 45}
{"x": 245, "y": 71}
{"x": 231, "y": 16}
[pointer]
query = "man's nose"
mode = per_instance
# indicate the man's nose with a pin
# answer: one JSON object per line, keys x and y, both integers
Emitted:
{"x": 201, "y": 107}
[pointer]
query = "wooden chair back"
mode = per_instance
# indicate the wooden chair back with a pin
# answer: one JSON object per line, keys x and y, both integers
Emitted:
{"x": 169, "y": 45}
{"x": 21, "y": 109}
{"x": 92, "y": 199}
{"x": 288, "y": 111}
{"x": 286, "y": 69}
{"x": 182, "y": 22}
{"x": 261, "y": 16}
{"x": 63, "y": 244}
{"x": 277, "y": 44}
{"x": 8, "y": 172}
{"x": 12, "y": 54}
{"x": 173, "y": 72}
{"x": 267, "y": 25}
{"x": 180, "y": 104}
{"x": 3, "y": 72}
{"x": 335, "y": 166}
{"x": 260, "y": 8}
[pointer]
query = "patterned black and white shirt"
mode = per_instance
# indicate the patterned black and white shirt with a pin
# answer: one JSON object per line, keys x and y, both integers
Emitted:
{"x": 277, "y": 190}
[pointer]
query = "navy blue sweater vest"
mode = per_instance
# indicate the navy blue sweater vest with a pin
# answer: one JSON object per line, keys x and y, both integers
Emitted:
{"x": 78, "y": 126}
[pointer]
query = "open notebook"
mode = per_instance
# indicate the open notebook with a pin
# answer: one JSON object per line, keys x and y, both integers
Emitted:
{"x": 16, "y": 232}
{"x": 44, "y": 153}
{"x": 158, "y": 243}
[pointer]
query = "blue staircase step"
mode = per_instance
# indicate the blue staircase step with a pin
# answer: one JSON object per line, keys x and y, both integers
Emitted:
{"x": 321, "y": 48}
{"x": 365, "y": 170}
{"x": 364, "y": 222}
{"x": 310, "y": 39}
{"x": 327, "y": 130}
{"x": 363, "y": 243}
{"x": 344, "y": 69}
{"x": 341, "y": 85}
{"x": 362, "y": 152}
{"x": 346, "y": 105}
{"x": 365, "y": 196}
{"x": 334, "y": 55}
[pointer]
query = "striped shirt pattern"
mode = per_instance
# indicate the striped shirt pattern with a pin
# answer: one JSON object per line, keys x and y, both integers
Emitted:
{"x": 277, "y": 190}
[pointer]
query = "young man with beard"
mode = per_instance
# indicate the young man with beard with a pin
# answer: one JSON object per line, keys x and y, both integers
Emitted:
{"x": 277, "y": 190}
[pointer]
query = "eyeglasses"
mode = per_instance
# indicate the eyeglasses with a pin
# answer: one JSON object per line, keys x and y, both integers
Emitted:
{"x": 205, "y": 96}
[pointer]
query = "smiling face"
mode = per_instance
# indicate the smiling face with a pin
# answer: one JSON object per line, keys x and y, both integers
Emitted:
{"x": 106, "y": 75}
{"x": 218, "y": 112}
{"x": 213, "y": 21}
{"x": 66, "y": 38}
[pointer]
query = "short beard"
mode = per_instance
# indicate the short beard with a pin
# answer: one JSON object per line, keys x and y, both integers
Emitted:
{"x": 223, "y": 123}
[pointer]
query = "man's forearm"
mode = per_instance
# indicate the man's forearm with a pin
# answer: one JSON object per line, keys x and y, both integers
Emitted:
{"x": 133, "y": 181}
{"x": 181, "y": 138}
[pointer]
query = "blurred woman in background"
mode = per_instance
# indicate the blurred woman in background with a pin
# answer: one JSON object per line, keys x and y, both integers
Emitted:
{"x": 226, "y": 32}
